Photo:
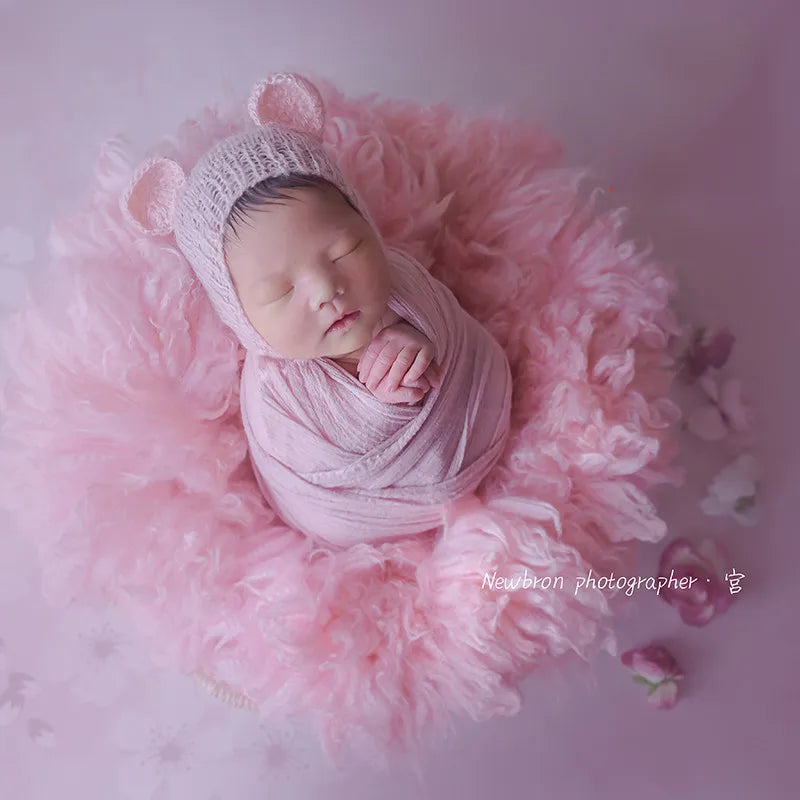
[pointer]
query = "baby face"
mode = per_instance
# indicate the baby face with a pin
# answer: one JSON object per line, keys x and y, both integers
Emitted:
{"x": 298, "y": 267}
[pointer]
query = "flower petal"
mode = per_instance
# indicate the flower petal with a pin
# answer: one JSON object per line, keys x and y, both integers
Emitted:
{"x": 737, "y": 479}
{"x": 663, "y": 696}
{"x": 713, "y": 507}
{"x": 650, "y": 670}
{"x": 653, "y": 663}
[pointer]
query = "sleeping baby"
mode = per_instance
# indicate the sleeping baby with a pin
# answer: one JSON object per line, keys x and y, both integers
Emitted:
{"x": 324, "y": 290}
{"x": 370, "y": 399}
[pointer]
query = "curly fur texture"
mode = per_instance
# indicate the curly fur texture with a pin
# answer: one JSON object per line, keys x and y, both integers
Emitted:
{"x": 125, "y": 459}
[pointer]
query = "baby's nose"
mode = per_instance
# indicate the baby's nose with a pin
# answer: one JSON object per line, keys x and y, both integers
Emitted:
{"x": 323, "y": 283}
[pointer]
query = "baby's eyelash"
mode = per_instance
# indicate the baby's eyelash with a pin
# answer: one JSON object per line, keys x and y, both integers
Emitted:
{"x": 351, "y": 251}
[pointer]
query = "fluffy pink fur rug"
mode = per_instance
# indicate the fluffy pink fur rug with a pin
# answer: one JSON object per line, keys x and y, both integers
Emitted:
{"x": 126, "y": 462}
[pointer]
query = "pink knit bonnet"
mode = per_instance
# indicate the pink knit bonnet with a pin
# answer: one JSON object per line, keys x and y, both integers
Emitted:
{"x": 289, "y": 117}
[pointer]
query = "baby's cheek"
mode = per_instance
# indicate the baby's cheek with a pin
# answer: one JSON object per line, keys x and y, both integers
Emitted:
{"x": 375, "y": 284}
{"x": 263, "y": 320}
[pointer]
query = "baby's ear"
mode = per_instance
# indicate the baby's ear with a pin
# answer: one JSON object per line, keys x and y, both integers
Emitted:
{"x": 288, "y": 99}
{"x": 150, "y": 199}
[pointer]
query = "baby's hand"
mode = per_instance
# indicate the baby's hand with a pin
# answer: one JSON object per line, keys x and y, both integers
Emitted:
{"x": 397, "y": 365}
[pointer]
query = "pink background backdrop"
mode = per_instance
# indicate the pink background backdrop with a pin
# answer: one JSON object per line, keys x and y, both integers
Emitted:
{"x": 689, "y": 110}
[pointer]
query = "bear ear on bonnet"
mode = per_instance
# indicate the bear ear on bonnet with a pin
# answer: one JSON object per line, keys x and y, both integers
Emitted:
{"x": 285, "y": 98}
{"x": 151, "y": 197}
{"x": 288, "y": 99}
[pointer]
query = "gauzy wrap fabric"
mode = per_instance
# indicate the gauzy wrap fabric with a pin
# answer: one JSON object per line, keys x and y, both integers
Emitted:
{"x": 345, "y": 467}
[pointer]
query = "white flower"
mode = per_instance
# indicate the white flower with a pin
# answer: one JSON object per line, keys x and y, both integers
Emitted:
{"x": 734, "y": 491}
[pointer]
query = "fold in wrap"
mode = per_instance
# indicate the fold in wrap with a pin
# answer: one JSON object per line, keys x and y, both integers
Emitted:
{"x": 344, "y": 467}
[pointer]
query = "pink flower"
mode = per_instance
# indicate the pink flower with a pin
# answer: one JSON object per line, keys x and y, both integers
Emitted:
{"x": 657, "y": 669}
{"x": 706, "y": 595}
{"x": 710, "y": 347}
{"x": 725, "y": 413}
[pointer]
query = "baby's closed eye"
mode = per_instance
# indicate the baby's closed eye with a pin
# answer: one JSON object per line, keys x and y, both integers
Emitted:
{"x": 273, "y": 291}
{"x": 351, "y": 250}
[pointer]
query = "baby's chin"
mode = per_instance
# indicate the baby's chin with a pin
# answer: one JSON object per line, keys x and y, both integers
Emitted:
{"x": 350, "y": 348}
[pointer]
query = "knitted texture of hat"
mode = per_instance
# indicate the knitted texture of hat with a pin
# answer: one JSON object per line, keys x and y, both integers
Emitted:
{"x": 216, "y": 182}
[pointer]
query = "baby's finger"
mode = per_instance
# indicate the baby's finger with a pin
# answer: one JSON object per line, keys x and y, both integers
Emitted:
{"x": 381, "y": 365}
{"x": 418, "y": 367}
{"x": 419, "y": 383}
{"x": 406, "y": 396}
{"x": 399, "y": 370}
{"x": 368, "y": 358}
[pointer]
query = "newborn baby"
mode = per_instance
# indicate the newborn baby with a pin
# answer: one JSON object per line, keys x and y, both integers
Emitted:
{"x": 324, "y": 290}
{"x": 370, "y": 399}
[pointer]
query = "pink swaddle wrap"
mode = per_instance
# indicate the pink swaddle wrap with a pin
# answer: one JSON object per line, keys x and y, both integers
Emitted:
{"x": 344, "y": 467}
